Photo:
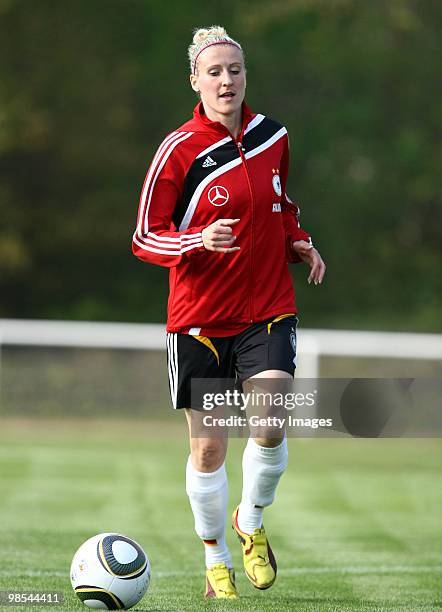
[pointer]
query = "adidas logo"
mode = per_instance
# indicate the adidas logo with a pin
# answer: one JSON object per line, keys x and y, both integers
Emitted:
{"x": 208, "y": 162}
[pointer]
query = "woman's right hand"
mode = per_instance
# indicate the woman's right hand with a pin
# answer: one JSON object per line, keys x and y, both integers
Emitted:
{"x": 219, "y": 236}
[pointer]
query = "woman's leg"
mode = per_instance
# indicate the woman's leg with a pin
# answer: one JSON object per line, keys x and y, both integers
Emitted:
{"x": 264, "y": 462}
{"x": 206, "y": 486}
{"x": 264, "y": 459}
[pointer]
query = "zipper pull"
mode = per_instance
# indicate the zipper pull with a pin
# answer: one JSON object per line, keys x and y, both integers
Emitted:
{"x": 239, "y": 144}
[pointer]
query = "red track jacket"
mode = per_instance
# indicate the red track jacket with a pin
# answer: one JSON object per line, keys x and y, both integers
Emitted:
{"x": 200, "y": 174}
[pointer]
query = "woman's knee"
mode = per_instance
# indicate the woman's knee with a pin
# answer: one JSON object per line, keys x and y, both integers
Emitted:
{"x": 208, "y": 454}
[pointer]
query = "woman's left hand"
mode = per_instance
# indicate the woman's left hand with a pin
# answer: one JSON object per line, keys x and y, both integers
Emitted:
{"x": 310, "y": 255}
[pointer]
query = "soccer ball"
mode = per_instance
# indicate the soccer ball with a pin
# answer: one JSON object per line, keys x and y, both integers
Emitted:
{"x": 110, "y": 572}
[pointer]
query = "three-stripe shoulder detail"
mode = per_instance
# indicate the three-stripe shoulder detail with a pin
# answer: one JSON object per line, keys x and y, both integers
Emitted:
{"x": 143, "y": 237}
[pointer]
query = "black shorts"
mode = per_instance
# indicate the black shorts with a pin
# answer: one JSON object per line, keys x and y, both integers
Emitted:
{"x": 267, "y": 345}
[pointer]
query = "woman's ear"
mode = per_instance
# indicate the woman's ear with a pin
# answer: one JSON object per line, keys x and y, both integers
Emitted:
{"x": 193, "y": 84}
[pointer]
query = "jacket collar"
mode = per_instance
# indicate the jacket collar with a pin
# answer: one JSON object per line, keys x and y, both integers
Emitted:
{"x": 201, "y": 118}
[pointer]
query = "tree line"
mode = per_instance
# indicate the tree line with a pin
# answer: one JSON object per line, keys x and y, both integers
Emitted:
{"x": 89, "y": 89}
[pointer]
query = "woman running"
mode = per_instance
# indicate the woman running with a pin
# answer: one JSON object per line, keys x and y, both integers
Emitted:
{"x": 214, "y": 209}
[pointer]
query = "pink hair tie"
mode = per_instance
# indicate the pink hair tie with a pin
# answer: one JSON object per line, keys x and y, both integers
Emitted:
{"x": 220, "y": 42}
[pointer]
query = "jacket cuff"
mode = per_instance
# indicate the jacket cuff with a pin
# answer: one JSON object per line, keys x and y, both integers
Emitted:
{"x": 292, "y": 255}
{"x": 197, "y": 251}
{"x": 200, "y": 249}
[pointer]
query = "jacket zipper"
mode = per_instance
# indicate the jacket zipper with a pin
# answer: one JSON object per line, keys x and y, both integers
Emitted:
{"x": 241, "y": 152}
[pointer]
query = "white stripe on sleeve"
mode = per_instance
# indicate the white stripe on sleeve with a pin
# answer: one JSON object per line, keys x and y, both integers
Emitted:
{"x": 148, "y": 192}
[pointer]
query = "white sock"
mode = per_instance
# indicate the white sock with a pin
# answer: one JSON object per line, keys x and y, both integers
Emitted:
{"x": 208, "y": 497}
{"x": 262, "y": 467}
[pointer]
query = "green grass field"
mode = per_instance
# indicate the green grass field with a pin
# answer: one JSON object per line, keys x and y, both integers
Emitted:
{"x": 356, "y": 524}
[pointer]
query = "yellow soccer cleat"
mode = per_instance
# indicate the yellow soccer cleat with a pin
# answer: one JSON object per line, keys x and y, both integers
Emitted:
{"x": 259, "y": 561}
{"x": 220, "y": 582}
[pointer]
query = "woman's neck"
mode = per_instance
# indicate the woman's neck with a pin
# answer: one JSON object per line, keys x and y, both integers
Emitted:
{"x": 232, "y": 122}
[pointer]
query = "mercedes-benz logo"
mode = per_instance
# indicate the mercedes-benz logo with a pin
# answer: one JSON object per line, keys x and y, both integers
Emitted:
{"x": 218, "y": 195}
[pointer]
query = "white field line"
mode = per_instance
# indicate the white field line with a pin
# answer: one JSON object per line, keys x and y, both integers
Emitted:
{"x": 287, "y": 571}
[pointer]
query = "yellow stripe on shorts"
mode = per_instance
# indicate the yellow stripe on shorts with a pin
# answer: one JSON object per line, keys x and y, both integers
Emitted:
{"x": 207, "y": 342}
{"x": 280, "y": 318}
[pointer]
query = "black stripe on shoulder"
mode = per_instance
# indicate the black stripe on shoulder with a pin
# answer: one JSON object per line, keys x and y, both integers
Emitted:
{"x": 199, "y": 170}
{"x": 261, "y": 133}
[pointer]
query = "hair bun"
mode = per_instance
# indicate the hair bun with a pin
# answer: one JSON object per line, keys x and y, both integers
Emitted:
{"x": 201, "y": 34}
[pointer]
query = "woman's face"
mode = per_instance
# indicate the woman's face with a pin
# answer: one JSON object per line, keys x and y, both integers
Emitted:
{"x": 221, "y": 79}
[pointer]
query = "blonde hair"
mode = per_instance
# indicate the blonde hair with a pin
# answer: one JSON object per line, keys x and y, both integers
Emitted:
{"x": 206, "y": 37}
